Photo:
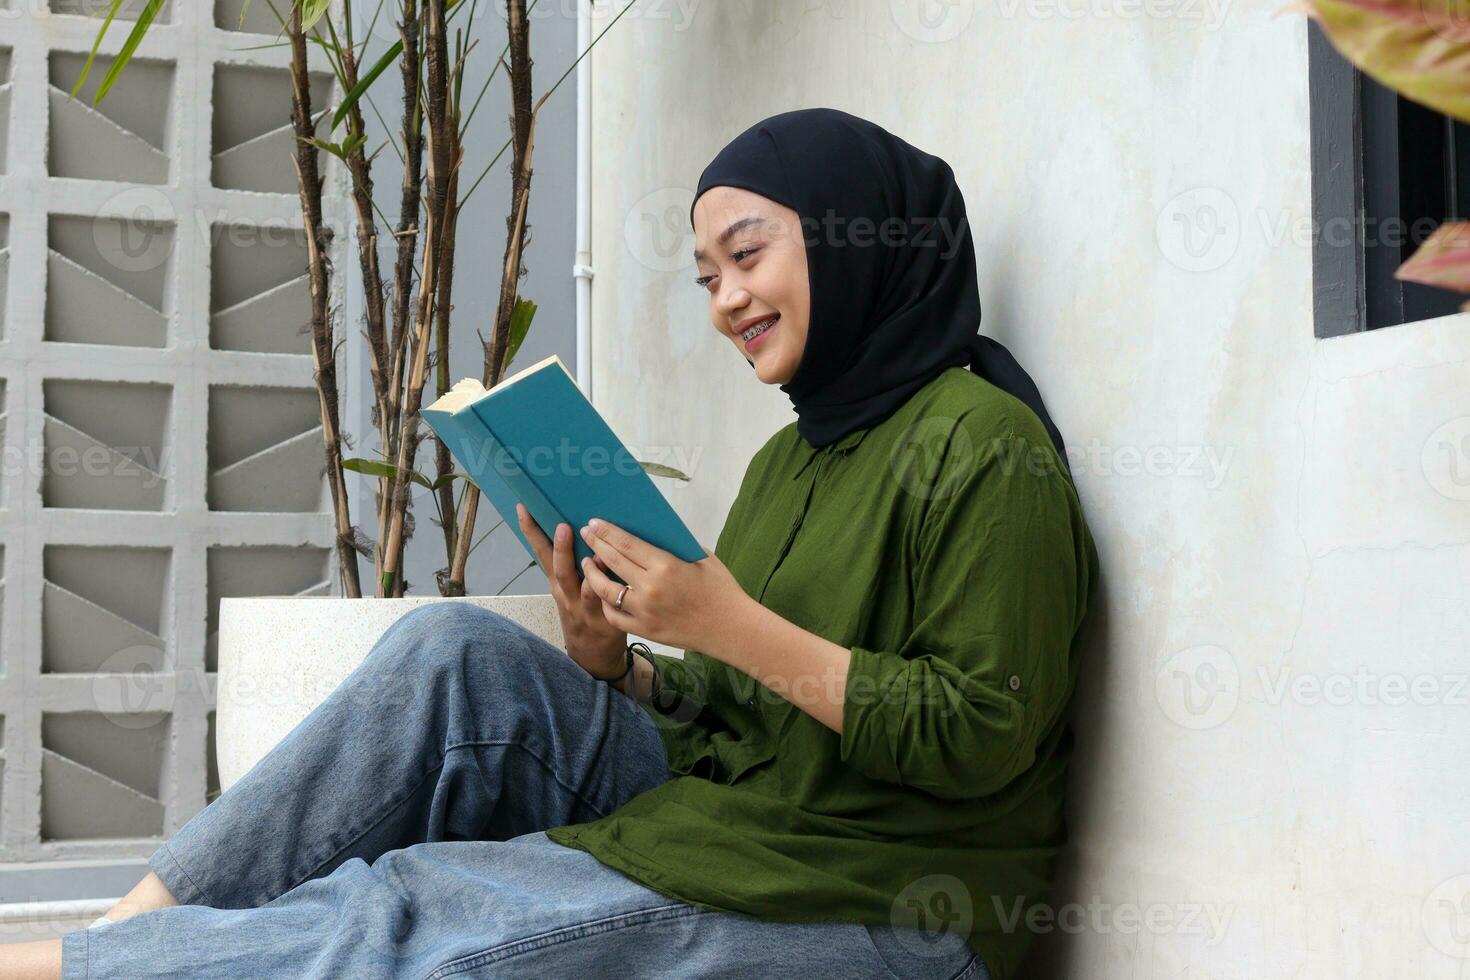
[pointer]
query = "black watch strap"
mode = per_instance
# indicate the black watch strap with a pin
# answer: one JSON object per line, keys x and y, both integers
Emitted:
{"x": 642, "y": 650}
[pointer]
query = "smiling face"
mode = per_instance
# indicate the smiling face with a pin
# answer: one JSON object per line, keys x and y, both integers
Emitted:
{"x": 752, "y": 261}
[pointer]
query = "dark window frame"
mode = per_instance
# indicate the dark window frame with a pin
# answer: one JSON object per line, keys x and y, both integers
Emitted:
{"x": 1385, "y": 172}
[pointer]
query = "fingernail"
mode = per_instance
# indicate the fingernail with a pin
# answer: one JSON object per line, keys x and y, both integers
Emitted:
{"x": 595, "y": 524}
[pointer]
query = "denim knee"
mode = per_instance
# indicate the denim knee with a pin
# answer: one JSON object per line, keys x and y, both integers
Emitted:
{"x": 441, "y": 635}
{"x": 454, "y": 617}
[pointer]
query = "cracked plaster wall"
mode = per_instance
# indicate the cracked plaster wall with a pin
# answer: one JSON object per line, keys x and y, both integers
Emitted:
{"x": 1284, "y": 522}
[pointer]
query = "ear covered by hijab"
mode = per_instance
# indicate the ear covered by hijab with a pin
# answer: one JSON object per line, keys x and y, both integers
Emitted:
{"x": 891, "y": 264}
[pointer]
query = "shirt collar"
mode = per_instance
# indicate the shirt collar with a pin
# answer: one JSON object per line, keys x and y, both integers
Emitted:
{"x": 844, "y": 445}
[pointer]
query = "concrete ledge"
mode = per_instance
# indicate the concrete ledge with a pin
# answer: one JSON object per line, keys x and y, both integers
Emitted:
{"x": 25, "y": 922}
{"x": 280, "y": 656}
{"x": 45, "y": 878}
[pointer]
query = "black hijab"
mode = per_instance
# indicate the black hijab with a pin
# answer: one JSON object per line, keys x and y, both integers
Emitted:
{"x": 890, "y": 309}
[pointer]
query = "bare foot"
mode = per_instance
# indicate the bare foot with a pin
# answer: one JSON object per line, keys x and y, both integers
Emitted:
{"x": 32, "y": 961}
{"x": 42, "y": 960}
{"x": 149, "y": 894}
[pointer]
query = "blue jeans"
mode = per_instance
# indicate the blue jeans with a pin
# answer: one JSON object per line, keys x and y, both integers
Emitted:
{"x": 397, "y": 832}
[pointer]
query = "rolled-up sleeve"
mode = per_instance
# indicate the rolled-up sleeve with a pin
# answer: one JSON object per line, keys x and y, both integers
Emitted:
{"x": 1001, "y": 575}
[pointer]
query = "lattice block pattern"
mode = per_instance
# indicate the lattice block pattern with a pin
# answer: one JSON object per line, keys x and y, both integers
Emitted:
{"x": 262, "y": 571}
{"x": 103, "y": 609}
{"x": 266, "y": 450}
{"x": 247, "y": 16}
{"x": 99, "y": 8}
{"x": 5, "y": 98}
{"x": 101, "y": 774}
{"x": 260, "y": 294}
{"x": 108, "y": 280}
{"x": 4, "y": 248}
{"x": 105, "y": 445}
{"x": 125, "y": 137}
{"x": 4, "y": 646}
{"x": 4, "y": 423}
{"x": 152, "y": 364}
{"x": 253, "y": 141}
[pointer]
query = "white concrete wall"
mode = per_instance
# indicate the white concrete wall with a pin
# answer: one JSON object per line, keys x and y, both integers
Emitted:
{"x": 1272, "y": 723}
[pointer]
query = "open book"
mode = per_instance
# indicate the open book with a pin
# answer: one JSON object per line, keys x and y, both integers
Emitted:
{"x": 536, "y": 439}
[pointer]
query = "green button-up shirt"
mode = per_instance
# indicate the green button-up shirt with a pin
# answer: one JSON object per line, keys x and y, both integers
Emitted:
{"x": 946, "y": 548}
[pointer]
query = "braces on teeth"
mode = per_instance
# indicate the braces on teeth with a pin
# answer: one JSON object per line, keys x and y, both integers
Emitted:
{"x": 764, "y": 324}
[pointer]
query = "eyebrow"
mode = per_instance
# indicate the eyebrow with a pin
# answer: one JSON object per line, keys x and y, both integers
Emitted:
{"x": 729, "y": 232}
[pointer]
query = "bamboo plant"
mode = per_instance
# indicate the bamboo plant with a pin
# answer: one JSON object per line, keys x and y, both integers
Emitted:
{"x": 407, "y": 306}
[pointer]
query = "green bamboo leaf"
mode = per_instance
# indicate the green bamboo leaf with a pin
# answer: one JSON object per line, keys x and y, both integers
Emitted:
{"x": 263, "y": 47}
{"x": 659, "y": 469}
{"x": 326, "y": 146}
{"x": 1419, "y": 48}
{"x": 448, "y": 478}
{"x": 112, "y": 10}
{"x": 140, "y": 28}
{"x": 363, "y": 83}
{"x": 521, "y": 315}
{"x": 370, "y": 467}
{"x": 376, "y": 467}
{"x": 311, "y": 12}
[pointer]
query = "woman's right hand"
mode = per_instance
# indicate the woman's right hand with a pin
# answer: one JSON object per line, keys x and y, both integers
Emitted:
{"x": 596, "y": 645}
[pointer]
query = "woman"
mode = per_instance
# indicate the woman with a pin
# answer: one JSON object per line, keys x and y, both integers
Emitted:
{"x": 857, "y": 768}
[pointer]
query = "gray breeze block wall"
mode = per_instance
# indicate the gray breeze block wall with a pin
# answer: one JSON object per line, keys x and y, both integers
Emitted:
{"x": 162, "y": 444}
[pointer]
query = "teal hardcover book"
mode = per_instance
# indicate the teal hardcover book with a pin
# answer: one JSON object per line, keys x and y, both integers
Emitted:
{"x": 536, "y": 439}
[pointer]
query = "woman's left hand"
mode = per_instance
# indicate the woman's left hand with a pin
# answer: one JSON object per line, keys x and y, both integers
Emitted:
{"x": 692, "y": 605}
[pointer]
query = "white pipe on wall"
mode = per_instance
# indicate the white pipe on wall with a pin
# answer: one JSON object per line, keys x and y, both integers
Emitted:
{"x": 582, "y": 263}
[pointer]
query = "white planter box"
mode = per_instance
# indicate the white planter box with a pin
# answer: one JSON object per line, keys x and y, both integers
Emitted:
{"x": 280, "y": 656}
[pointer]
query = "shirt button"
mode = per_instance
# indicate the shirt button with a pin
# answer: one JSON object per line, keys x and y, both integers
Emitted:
{"x": 1014, "y": 683}
{"x": 750, "y": 702}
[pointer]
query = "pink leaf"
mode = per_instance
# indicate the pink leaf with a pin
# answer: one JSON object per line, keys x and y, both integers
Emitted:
{"x": 1443, "y": 260}
{"x": 1418, "y": 48}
